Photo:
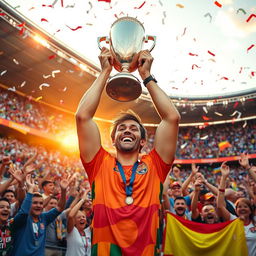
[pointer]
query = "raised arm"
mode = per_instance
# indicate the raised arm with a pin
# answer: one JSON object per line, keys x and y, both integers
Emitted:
{"x": 185, "y": 184}
{"x": 167, "y": 131}
{"x": 244, "y": 162}
{"x": 74, "y": 211}
{"x": 165, "y": 201}
{"x": 64, "y": 183}
{"x": 194, "y": 208}
{"x": 221, "y": 206}
{"x": 87, "y": 130}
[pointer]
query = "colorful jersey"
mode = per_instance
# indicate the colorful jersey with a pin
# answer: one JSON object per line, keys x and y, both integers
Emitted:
{"x": 118, "y": 228}
{"x": 6, "y": 240}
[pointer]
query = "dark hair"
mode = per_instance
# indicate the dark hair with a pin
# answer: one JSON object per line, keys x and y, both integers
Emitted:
{"x": 44, "y": 183}
{"x": 128, "y": 115}
{"x": 4, "y": 199}
{"x": 8, "y": 191}
{"x": 180, "y": 198}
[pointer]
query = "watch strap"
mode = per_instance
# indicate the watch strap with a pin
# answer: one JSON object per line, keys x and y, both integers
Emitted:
{"x": 148, "y": 79}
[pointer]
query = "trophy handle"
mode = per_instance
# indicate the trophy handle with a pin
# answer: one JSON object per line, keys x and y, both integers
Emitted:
{"x": 152, "y": 38}
{"x": 101, "y": 39}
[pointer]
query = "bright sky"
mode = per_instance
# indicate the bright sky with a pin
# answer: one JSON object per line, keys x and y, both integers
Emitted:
{"x": 186, "y": 30}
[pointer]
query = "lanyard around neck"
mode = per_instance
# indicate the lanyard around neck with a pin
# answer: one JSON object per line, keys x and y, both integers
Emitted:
{"x": 128, "y": 188}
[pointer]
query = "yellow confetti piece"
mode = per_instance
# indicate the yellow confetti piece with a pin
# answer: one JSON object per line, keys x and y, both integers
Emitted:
{"x": 180, "y": 5}
{"x": 38, "y": 98}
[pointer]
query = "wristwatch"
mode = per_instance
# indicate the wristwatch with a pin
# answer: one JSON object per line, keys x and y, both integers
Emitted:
{"x": 148, "y": 79}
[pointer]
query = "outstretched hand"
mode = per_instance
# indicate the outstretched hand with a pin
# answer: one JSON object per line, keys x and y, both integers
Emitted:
{"x": 244, "y": 161}
{"x": 225, "y": 169}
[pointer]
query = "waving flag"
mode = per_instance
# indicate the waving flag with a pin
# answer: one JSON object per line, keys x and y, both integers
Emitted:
{"x": 183, "y": 237}
{"x": 224, "y": 144}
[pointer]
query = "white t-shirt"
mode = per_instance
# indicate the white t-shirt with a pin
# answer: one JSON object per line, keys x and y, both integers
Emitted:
{"x": 79, "y": 245}
{"x": 250, "y": 235}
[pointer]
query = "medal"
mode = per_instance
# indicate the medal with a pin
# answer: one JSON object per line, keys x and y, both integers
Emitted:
{"x": 128, "y": 200}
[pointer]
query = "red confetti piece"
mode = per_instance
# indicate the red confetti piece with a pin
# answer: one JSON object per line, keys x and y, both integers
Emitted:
{"x": 74, "y": 29}
{"x": 21, "y": 25}
{"x": 116, "y": 16}
{"x": 211, "y": 53}
{"x": 107, "y": 1}
{"x": 206, "y": 118}
{"x": 31, "y": 8}
{"x": 236, "y": 104}
{"x": 140, "y": 5}
{"x": 249, "y": 48}
{"x": 52, "y": 57}
{"x": 22, "y": 31}
{"x": 218, "y": 4}
{"x": 185, "y": 80}
{"x": 252, "y": 73}
{"x": 241, "y": 69}
{"x": 224, "y": 77}
{"x": 206, "y": 124}
{"x": 45, "y": 5}
{"x": 194, "y": 65}
{"x": 43, "y": 19}
{"x": 62, "y": 4}
{"x": 193, "y": 54}
{"x": 250, "y": 17}
{"x": 2, "y": 14}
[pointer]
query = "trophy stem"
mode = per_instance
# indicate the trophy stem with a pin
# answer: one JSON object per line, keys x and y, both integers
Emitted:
{"x": 125, "y": 67}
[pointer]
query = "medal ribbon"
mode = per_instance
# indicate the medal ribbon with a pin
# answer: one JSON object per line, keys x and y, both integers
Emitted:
{"x": 128, "y": 189}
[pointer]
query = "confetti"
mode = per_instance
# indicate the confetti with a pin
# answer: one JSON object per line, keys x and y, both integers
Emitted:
{"x": 208, "y": 15}
{"x": 52, "y": 57}
{"x": 205, "y": 110}
{"x": 90, "y": 7}
{"x": 236, "y": 112}
{"x": 107, "y": 1}
{"x": 241, "y": 69}
{"x": 2, "y": 14}
{"x": 236, "y": 104}
{"x": 55, "y": 72}
{"x": 74, "y": 29}
{"x": 250, "y": 17}
{"x": 184, "y": 145}
{"x": 43, "y": 19}
{"x": 43, "y": 85}
{"x": 13, "y": 89}
{"x": 249, "y": 48}
{"x": 38, "y": 98}
{"x": 211, "y": 53}
{"x": 193, "y": 54}
{"x": 160, "y": 3}
{"x": 55, "y": 1}
{"x": 194, "y": 65}
{"x": 204, "y": 137}
{"x": 213, "y": 60}
{"x": 245, "y": 123}
{"x": 180, "y": 5}
{"x": 184, "y": 31}
{"x": 224, "y": 78}
{"x": 241, "y": 10}
{"x": 16, "y": 62}
{"x": 46, "y": 76}
{"x": 218, "y": 4}
{"x": 252, "y": 73}
{"x": 206, "y": 118}
{"x": 218, "y": 114}
{"x": 140, "y": 5}
{"x": 45, "y": 5}
{"x": 184, "y": 80}
{"x": 71, "y": 6}
{"x": 61, "y": 2}
{"x": 3, "y": 72}
{"x": 23, "y": 84}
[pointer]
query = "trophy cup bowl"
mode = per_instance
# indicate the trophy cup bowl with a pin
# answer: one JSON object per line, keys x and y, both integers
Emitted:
{"x": 126, "y": 39}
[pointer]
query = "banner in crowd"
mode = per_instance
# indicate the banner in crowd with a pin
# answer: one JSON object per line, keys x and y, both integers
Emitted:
{"x": 183, "y": 237}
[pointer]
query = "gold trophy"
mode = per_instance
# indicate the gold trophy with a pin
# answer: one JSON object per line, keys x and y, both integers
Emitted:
{"x": 126, "y": 39}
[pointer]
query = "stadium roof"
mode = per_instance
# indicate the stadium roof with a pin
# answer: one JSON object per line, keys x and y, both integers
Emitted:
{"x": 38, "y": 65}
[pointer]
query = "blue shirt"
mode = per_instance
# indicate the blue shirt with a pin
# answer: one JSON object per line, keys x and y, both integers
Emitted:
{"x": 26, "y": 242}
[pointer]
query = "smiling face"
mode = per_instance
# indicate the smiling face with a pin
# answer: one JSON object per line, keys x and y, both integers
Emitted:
{"x": 5, "y": 211}
{"x": 37, "y": 206}
{"x": 128, "y": 137}
{"x": 80, "y": 220}
{"x": 243, "y": 209}
{"x": 10, "y": 196}
{"x": 180, "y": 207}
{"x": 209, "y": 214}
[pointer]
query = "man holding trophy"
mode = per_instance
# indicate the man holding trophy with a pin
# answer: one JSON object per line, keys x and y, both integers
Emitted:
{"x": 126, "y": 190}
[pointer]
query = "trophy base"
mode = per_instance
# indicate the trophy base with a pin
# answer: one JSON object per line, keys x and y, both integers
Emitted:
{"x": 123, "y": 87}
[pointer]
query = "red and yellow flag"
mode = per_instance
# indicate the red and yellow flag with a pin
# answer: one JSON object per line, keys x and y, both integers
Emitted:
{"x": 183, "y": 237}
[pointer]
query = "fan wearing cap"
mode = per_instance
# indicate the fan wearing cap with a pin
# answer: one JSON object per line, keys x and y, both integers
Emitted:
{"x": 170, "y": 193}
{"x": 208, "y": 213}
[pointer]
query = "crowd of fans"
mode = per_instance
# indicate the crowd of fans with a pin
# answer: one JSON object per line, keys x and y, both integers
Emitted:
{"x": 46, "y": 206}
{"x": 192, "y": 141}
